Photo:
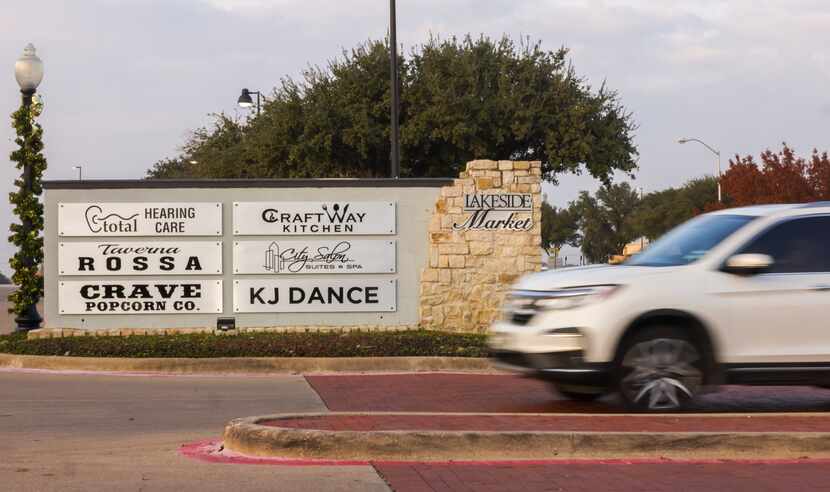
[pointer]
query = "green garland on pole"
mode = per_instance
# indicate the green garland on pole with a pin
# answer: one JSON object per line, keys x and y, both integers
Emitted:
{"x": 27, "y": 234}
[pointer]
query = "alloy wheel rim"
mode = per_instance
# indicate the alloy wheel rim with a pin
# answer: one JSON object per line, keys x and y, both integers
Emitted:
{"x": 661, "y": 373}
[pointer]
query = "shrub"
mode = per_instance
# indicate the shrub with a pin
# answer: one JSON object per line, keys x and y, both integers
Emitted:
{"x": 349, "y": 344}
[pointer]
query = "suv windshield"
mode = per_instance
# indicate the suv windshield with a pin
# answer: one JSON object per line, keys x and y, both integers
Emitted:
{"x": 690, "y": 241}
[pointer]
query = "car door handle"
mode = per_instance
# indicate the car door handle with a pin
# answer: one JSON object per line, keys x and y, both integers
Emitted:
{"x": 821, "y": 287}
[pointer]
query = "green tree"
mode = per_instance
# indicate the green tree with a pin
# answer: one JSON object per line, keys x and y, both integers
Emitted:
{"x": 662, "y": 210}
{"x": 605, "y": 220}
{"x": 559, "y": 227}
{"x": 461, "y": 100}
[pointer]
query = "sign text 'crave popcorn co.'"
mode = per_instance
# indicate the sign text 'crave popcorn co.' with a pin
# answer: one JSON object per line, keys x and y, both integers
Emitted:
{"x": 140, "y": 297}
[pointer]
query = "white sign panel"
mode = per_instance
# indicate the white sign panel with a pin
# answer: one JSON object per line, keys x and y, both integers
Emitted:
{"x": 140, "y": 258}
{"x": 139, "y": 219}
{"x": 292, "y": 295}
{"x": 175, "y": 296}
{"x": 313, "y": 218}
{"x": 281, "y": 256}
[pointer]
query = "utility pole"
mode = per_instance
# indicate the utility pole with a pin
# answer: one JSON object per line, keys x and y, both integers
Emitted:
{"x": 395, "y": 154}
{"x": 641, "y": 237}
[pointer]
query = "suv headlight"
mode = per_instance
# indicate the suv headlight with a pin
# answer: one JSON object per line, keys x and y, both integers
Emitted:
{"x": 568, "y": 298}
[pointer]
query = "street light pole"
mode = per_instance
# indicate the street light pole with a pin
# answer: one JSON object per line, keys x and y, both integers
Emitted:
{"x": 642, "y": 239}
{"x": 395, "y": 153}
{"x": 80, "y": 172}
{"x": 712, "y": 150}
{"x": 245, "y": 100}
{"x": 28, "y": 71}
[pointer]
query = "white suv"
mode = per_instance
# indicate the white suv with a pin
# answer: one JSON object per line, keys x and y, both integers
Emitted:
{"x": 739, "y": 296}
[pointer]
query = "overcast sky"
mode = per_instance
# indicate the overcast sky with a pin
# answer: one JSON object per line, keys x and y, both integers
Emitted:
{"x": 126, "y": 80}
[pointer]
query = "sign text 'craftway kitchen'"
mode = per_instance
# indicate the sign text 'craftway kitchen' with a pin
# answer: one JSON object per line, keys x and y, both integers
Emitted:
{"x": 313, "y": 218}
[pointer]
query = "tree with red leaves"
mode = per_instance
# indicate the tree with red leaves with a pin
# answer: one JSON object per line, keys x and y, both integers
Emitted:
{"x": 782, "y": 177}
{"x": 819, "y": 175}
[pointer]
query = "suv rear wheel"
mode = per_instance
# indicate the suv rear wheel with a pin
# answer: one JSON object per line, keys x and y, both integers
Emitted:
{"x": 659, "y": 369}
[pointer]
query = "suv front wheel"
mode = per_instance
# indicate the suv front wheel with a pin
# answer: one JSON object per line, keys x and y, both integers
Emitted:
{"x": 660, "y": 368}
{"x": 578, "y": 393}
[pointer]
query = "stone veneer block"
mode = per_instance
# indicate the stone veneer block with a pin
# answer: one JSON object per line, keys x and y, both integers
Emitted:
{"x": 475, "y": 268}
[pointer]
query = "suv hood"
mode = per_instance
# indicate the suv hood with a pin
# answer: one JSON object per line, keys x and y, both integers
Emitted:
{"x": 590, "y": 275}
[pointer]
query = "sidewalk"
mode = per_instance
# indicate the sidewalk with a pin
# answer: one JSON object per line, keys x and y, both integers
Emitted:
{"x": 485, "y": 393}
{"x": 557, "y": 423}
{"x": 604, "y": 477}
{"x": 487, "y": 417}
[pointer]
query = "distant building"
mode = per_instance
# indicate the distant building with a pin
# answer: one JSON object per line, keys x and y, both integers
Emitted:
{"x": 562, "y": 261}
{"x": 629, "y": 250}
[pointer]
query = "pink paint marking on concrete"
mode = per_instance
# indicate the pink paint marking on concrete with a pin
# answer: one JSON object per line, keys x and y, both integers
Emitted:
{"x": 143, "y": 374}
{"x": 212, "y": 451}
{"x": 78, "y": 372}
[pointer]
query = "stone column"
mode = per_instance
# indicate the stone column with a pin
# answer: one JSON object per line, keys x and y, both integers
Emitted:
{"x": 471, "y": 269}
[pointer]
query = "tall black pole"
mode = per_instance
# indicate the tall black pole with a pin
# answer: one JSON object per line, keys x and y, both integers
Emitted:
{"x": 395, "y": 154}
{"x": 31, "y": 318}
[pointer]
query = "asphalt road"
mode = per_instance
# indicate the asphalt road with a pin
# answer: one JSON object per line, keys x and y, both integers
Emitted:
{"x": 91, "y": 432}
{"x": 86, "y": 432}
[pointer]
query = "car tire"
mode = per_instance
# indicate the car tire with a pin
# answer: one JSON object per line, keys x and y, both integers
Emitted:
{"x": 578, "y": 395}
{"x": 659, "y": 369}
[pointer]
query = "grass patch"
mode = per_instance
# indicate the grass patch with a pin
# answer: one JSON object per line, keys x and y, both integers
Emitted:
{"x": 350, "y": 344}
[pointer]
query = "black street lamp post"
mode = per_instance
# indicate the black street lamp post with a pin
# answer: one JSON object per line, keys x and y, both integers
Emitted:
{"x": 28, "y": 71}
{"x": 395, "y": 154}
{"x": 245, "y": 100}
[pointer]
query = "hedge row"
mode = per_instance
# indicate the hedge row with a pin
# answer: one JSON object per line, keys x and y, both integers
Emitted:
{"x": 350, "y": 344}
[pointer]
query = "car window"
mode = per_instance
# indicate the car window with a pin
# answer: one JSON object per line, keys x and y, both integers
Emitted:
{"x": 797, "y": 245}
{"x": 690, "y": 241}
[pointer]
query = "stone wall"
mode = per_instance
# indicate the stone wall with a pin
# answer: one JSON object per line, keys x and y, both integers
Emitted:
{"x": 470, "y": 271}
{"x": 448, "y": 279}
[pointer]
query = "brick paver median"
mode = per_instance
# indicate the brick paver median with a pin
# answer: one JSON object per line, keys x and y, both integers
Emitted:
{"x": 669, "y": 477}
{"x": 513, "y": 394}
{"x": 557, "y": 423}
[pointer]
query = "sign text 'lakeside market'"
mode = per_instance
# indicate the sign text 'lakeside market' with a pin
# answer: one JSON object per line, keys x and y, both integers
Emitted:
{"x": 507, "y": 211}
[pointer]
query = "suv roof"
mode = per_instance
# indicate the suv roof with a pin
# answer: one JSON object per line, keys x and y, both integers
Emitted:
{"x": 758, "y": 210}
{"x": 764, "y": 210}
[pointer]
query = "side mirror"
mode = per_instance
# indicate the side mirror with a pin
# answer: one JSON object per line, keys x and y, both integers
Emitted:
{"x": 748, "y": 264}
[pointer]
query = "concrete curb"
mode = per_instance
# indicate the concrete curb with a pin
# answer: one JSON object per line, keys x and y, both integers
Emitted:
{"x": 248, "y": 365}
{"x": 245, "y": 436}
